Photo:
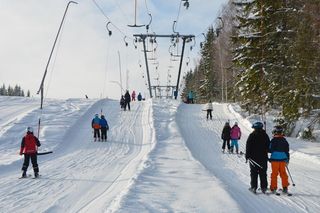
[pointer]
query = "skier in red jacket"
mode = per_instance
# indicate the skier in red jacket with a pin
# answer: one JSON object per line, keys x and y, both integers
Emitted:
{"x": 29, "y": 147}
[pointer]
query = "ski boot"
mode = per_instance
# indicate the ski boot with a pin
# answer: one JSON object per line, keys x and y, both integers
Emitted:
{"x": 253, "y": 190}
{"x": 36, "y": 174}
{"x": 24, "y": 174}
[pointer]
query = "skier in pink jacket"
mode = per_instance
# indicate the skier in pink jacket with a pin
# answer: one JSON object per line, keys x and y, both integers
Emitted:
{"x": 235, "y": 135}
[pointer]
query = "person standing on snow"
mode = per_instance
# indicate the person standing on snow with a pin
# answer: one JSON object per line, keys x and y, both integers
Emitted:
{"x": 257, "y": 154}
{"x": 133, "y": 95}
{"x": 235, "y": 135}
{"x": 29, "y": 148}
{"x": 95, "y": 124}
{"x": 127, "y": 99}
{"x": 104, "y": 127}
{"x": 279, "y": 149}
{"x": 225, "y": 136}
{"x": 122, "y": 102}
{"x": 190, "y": 97}
{"x": 209, "y": 108}
{"x": 139, "y": 96}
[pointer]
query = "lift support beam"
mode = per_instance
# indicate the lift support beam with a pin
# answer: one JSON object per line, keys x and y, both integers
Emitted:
{"x": 184, "y": 39}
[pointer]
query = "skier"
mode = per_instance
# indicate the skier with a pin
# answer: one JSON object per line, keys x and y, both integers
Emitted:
{"x": 104, "y": 127}
{"x": 122, "y": 102}
{"x": 257, "y": 153}
{"x": 235, "y": 135}
{"x": 225, "y": 136}
{"x": 209, "y": 109}
{"x": 190, "y": 97}
{"x": 133, "y": 95}
{"x": 139, "y": 96}
{"x": 95, "y": 124}
{"x": 279, "y": 149}
{"x": 127, "y": 99}
{"x": 29, "y": 147}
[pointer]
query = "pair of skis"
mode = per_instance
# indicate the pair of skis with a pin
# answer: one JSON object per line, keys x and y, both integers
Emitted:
{"x": 278, "y": 193}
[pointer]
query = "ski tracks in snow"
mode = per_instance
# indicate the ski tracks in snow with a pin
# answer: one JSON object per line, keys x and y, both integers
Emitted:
{"x": 231, "y": 169}
{"x": 82, "y": 175}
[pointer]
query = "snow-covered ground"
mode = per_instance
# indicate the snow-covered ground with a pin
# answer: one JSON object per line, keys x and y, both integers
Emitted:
{"x": 162, "y": 156}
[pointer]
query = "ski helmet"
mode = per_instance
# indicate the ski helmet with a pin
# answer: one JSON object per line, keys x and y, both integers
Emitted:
{"x": 29, "y": 129}
{"x": 257, "y": 125}
{"x": 236, "y": 123}
{"x": 277, "y": 130}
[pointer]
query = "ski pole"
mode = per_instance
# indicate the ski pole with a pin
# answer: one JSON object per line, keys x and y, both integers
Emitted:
{"x": 250, "y": 160}
{"x": 293, "y": 184}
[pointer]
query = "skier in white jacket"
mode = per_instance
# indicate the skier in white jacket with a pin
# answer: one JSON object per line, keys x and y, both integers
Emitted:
{"x": 209, "y": 108}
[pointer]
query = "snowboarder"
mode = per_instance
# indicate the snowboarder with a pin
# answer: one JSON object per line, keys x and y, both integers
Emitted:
{"x": 257, "y": 154}
{"x": 29, "y": 148}
{"x": 95, "y": 124}
{"x": 104, "y": 127}
{"x": 235, "y": 135}
{"x": 209, "y": 109}
{"x": 122, "y": 102}
{"x": 225, "y": 136}
{"x": 279, "y": 149}
{"x": 127, "y": 99}
{"x": 133, "y": 96}
{"x": 139, "y": 96}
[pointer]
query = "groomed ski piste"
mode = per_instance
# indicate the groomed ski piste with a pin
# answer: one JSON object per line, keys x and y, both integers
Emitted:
{"x": 162, "y": 156}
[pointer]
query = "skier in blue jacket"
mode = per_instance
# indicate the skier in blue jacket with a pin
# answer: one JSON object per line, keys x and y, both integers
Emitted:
{"x": 104, "y": 127}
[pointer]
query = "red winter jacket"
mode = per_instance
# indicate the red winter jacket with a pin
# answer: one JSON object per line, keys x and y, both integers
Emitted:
{"x": 29, "y": 144}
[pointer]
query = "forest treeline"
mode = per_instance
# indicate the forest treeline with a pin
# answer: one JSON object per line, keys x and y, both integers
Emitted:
{"x": 13, "y": 91}
{"x": 263, "y": 54}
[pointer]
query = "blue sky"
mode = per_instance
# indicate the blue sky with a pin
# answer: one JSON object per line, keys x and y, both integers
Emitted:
{"x": 86, "y": 59}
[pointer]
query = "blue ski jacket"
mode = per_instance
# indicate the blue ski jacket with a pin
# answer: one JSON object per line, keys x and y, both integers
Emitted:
{"x": 279, "y": 149}
{"x": 104, "y": 123}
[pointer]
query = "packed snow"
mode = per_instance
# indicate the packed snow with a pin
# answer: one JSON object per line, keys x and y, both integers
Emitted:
{"x": 162, "y": 156}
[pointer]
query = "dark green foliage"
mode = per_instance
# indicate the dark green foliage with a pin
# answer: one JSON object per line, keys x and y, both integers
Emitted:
{"x": 10, "y": 91}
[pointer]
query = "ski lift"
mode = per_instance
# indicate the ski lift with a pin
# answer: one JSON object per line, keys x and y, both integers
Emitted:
{"x": 135, "y": 16}
{"x": 186, "y": 3}
{"x": 109, "y": 31}
{"x": 124, "y": 39}
{"x": 148, "y": 25}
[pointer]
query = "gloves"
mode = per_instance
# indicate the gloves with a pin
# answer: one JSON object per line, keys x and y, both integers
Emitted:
{"x": 246, "y": 160}
{"x": 239, "y": 138}
{"x": 20, "y": 153}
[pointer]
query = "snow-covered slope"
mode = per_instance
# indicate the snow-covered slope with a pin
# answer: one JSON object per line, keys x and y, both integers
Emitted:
{"x": 160, "y": 157}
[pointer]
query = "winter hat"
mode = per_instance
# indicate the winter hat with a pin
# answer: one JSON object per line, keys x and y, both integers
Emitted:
{"x": 277, "y": 130}
{"x": 29, "y": 129}
{"x": 257, "y": 125}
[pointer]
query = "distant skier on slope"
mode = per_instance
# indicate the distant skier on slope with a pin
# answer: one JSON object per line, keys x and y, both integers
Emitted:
{"x": 279, "y": 149}
{"x": 104, "y": 128}
{"x": 127, "y": 99}
{"x": 225, "y": 136}
{"x": 257, "y": 154}
{"x": 235, "y": 135}
{"x": 95, "y": 124}
{"x": 29, "y": 148}
{"x": 122, "y": 102}
{"x": 133, "y": 96}
{"x": 209, "y": 108}
{"x": 139, "y": 96}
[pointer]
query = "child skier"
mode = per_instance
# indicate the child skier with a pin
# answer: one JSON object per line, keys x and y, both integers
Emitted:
{"x": 95, "y": 124}
{"x": 104, "y": 127}
{"x": 235, "y": 135}
{"x": 29, "y": 147}
{"x": 225, "y": 136}
{"x": 122, "y": 102}
{"x": 279, "y": 149}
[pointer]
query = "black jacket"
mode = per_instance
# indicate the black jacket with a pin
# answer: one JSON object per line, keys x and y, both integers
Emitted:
{"x": 127, "y": 97}
{"x": 257, "y": 146}
{"x": 226, "y": 133}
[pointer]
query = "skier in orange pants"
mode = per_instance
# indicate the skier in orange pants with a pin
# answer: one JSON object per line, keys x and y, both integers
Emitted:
{"x": 279, "y": 149}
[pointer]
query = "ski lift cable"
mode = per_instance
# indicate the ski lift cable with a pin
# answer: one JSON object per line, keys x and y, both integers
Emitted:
{"x": 109, "y": 20}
